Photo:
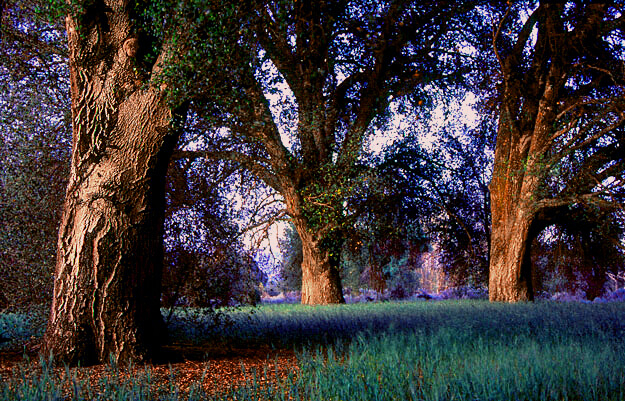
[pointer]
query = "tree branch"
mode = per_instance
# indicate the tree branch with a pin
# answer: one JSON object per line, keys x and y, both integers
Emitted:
{"x": 250, "y": 163}
{"x": 278, "y": 50}
{"x": 570, "y": 146}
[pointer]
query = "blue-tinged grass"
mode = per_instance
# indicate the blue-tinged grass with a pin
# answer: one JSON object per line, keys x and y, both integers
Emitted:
{"x": 448, "y": 366}
{"x": 453, "y": 350}
{"x": 286, "y": 325}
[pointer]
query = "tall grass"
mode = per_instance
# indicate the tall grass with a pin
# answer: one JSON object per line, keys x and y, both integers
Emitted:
{"x": 288, "y": 324}
{"x": 454, "y": 366}
{"x": 454, "y": 350}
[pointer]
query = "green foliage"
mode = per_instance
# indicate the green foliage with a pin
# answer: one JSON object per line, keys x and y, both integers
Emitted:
{"x": 380, "y": 259}
{"x": 210, "y": 279}
{"x": 324, "y": 196}
{"x": 202, "y": 60}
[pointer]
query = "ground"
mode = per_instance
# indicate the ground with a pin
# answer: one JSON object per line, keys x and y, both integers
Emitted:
{"x": 218, "y": 369}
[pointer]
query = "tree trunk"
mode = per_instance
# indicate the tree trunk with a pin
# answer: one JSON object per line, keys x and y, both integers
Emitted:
{"x": 376, "y": 275}
{"x": 321, "y": 281}
{"x": 109, "y": 262}
{"x": 515, "y": 194}
{"x": 510, "y": 278}
{"x": 513, "y": 189}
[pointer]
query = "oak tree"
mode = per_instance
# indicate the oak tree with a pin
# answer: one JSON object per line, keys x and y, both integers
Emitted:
{"x": 109, "y": 261}
{"x": 560, "y": 137}
{"x": 334, "y": 67}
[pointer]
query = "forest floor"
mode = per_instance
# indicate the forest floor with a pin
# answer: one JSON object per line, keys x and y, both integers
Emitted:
{"x": 218, "y": 369}
{"x": 455, "y": 349}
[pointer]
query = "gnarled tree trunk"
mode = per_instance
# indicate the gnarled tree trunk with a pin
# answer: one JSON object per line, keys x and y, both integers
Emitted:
{"x": 108, "y": 274}
{"x": 321, "y": 281}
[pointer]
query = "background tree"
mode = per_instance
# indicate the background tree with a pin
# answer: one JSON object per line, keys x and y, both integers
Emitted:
{"x": 390, "y": 208}
{"x": 463, "y": 230}
{"x": 207, "y": 263}
{"x": 338, "y": 66}
{"x": 560, "y": 135}
{"x": 578, "y": 251}
{"x": 439, "y": 170}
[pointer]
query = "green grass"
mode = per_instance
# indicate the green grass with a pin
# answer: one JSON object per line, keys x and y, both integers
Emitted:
{"x": 452, "y": 350}
{"x": 455, "y": 366}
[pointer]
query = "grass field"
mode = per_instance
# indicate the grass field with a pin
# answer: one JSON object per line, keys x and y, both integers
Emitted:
{"x": 449, "y": 350}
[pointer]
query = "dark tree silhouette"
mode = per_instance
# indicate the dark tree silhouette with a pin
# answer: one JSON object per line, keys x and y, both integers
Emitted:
{"x": 35, "y": 126}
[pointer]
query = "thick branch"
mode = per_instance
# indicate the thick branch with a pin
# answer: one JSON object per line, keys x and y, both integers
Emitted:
{"x": 547, "y": 206}
{"x": 277, "y": 47}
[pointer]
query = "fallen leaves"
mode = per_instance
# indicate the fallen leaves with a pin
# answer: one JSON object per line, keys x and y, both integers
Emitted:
{"x": 216, "y": 371}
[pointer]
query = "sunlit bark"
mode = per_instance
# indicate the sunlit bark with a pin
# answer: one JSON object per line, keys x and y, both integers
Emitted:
{"x": 108, "y": 274}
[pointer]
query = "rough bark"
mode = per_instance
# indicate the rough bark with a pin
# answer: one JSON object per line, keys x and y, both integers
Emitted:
{"x": 109, "y": 260}
{"x": 321, "y": 282}
{"x": 509, "y": 273}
